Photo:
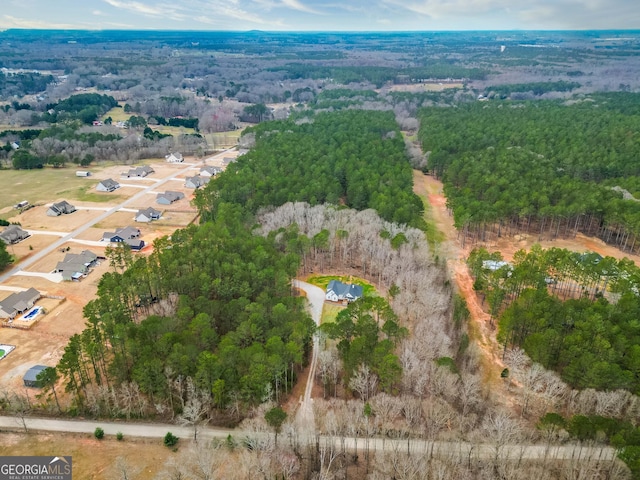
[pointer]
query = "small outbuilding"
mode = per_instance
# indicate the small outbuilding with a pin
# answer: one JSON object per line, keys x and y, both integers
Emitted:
{"x": 30, "y": 378}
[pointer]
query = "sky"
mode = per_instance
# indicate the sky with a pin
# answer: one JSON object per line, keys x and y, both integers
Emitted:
{"x": 317, "y": 15}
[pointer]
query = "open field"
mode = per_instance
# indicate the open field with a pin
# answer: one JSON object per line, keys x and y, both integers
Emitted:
{"x": 93, "y": 459}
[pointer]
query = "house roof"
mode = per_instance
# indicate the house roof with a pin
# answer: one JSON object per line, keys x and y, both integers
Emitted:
{"x": 13, "y": 233}
{"x": 149, "y": 212}
{"x": 140, "y": 171}
{"x": 343, "y": 290}
{"x": 33, "y": 372}
{"x": 128, "y": 232}
{"x": 63, "y": 207}
{"x": 18, "y": 302}
{"x": 77, "y": 262}
{"x": 176, "y": 156}
{"x": 171, "y": 196}
{"x": 196, "y": 181}
{"x": 110, "y": 183}
{"x": 210, "y": 170}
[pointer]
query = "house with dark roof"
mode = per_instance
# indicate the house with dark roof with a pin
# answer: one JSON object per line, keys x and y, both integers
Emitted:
{"x": 338, "y": 291}
{"x": 168, "y": 197}
{"x": 139, "y": 172}
{"x": 196, "y": 182}
{"x": 210, "y": 171}
{"x": 136, "y": 244}
{"x": 121, "y": 235}
{"x": 13, "y": 234}
{"x": 30, "y": 378}
{"x": 147, "y": 215}
{"x": 76, "y": 265}
{"x": 17, "y": 303}
{"x": 60, "y": 208}
{"x": 107, "y": 185}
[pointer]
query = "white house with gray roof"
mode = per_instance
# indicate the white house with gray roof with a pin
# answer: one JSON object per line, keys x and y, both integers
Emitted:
{"x": 338, "y": 291}
{"x": 108, "y": 185}
{"x": 13, "y": 234}
{"x": 147, "y": 215}
{"x": 168, "y": 197}
{"x": 60, "y": 208}
{"x": 76, "y": 265}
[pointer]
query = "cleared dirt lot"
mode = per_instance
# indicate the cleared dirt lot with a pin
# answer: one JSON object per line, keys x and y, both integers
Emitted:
{"x": 44, "y": 342}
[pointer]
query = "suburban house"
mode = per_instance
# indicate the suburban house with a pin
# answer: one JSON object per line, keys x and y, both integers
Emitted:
{"x": 17, "y": 303}
{"x": 76, "y": 265}
{"x": 210, "y": 171}
{"x": 338, "y": 291}
{"x": 13, "y": 234}
{"x": 168, "y": 197}
{"x": 196, "y": 182}
{"x": 107, "y": 185}
{"x": 139, "y": 172}
{"x": 174, "y": 158}
{"x": 135, "y": 244}
{"x": 148, "y": 215}
{"x": 30, "y": 378}
{"x": 60, "y": 208}
{"x": 121, "y": 235}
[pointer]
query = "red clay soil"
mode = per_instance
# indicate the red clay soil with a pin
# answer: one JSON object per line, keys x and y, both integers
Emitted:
{"x": 482, "y": 329}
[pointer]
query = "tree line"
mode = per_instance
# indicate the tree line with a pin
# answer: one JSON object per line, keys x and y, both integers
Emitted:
{"x": 356, "y": 158}
{"x": 571, "y": 312}
{"x": 544, "y": 167}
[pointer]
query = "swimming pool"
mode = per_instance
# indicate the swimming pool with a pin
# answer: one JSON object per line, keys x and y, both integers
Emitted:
{"x": 33, "y": 313}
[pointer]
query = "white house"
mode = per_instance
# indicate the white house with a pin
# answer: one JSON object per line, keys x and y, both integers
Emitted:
{"x": 147, "y": 215}
{"x": 174, "y": 158}
{"x": 107, "y": 185}
{"x": 338, "y": 291}
{"x": 210, "y": 171}
{"x": 168, "y": 197}
{"x": 196, "y": 182}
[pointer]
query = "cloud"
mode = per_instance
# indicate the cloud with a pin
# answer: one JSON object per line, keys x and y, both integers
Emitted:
{"x": 137, "y": 7}
{"x": 296, "y": 5}
{"x": 98, "y": 13}
{"x": 8, "y": 21}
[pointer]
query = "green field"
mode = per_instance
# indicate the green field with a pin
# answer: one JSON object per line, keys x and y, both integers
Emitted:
{"x": 330, "y": 312}
{"x": 46, "y": 185}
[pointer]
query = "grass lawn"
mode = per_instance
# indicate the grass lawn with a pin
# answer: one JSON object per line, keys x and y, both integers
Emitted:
{"x": 1, "y": 353}
{"x": 37, "y": 186}
{"x": 330, "y": 312}
{"x": 223, "y": 139}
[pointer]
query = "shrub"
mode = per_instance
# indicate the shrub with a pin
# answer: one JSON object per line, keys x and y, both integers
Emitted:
{"x": 98, "y": 433}
{"x": 119, "y": 436}
{"x": 170, "y": 440}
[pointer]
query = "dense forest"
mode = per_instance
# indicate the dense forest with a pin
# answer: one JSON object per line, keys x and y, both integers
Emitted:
{"x": 544, "y": 167}
{"x": 356, "y": 158}
{"x": 571, "y": 312}
{"x": 212, "y": 304}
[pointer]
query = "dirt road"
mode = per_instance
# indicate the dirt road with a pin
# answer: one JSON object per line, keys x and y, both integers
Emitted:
{"x": 463, "y": 450}
{"x": 305, "y": 418}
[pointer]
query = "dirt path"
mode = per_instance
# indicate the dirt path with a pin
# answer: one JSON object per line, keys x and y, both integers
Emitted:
{"x": 482, "y": 330}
